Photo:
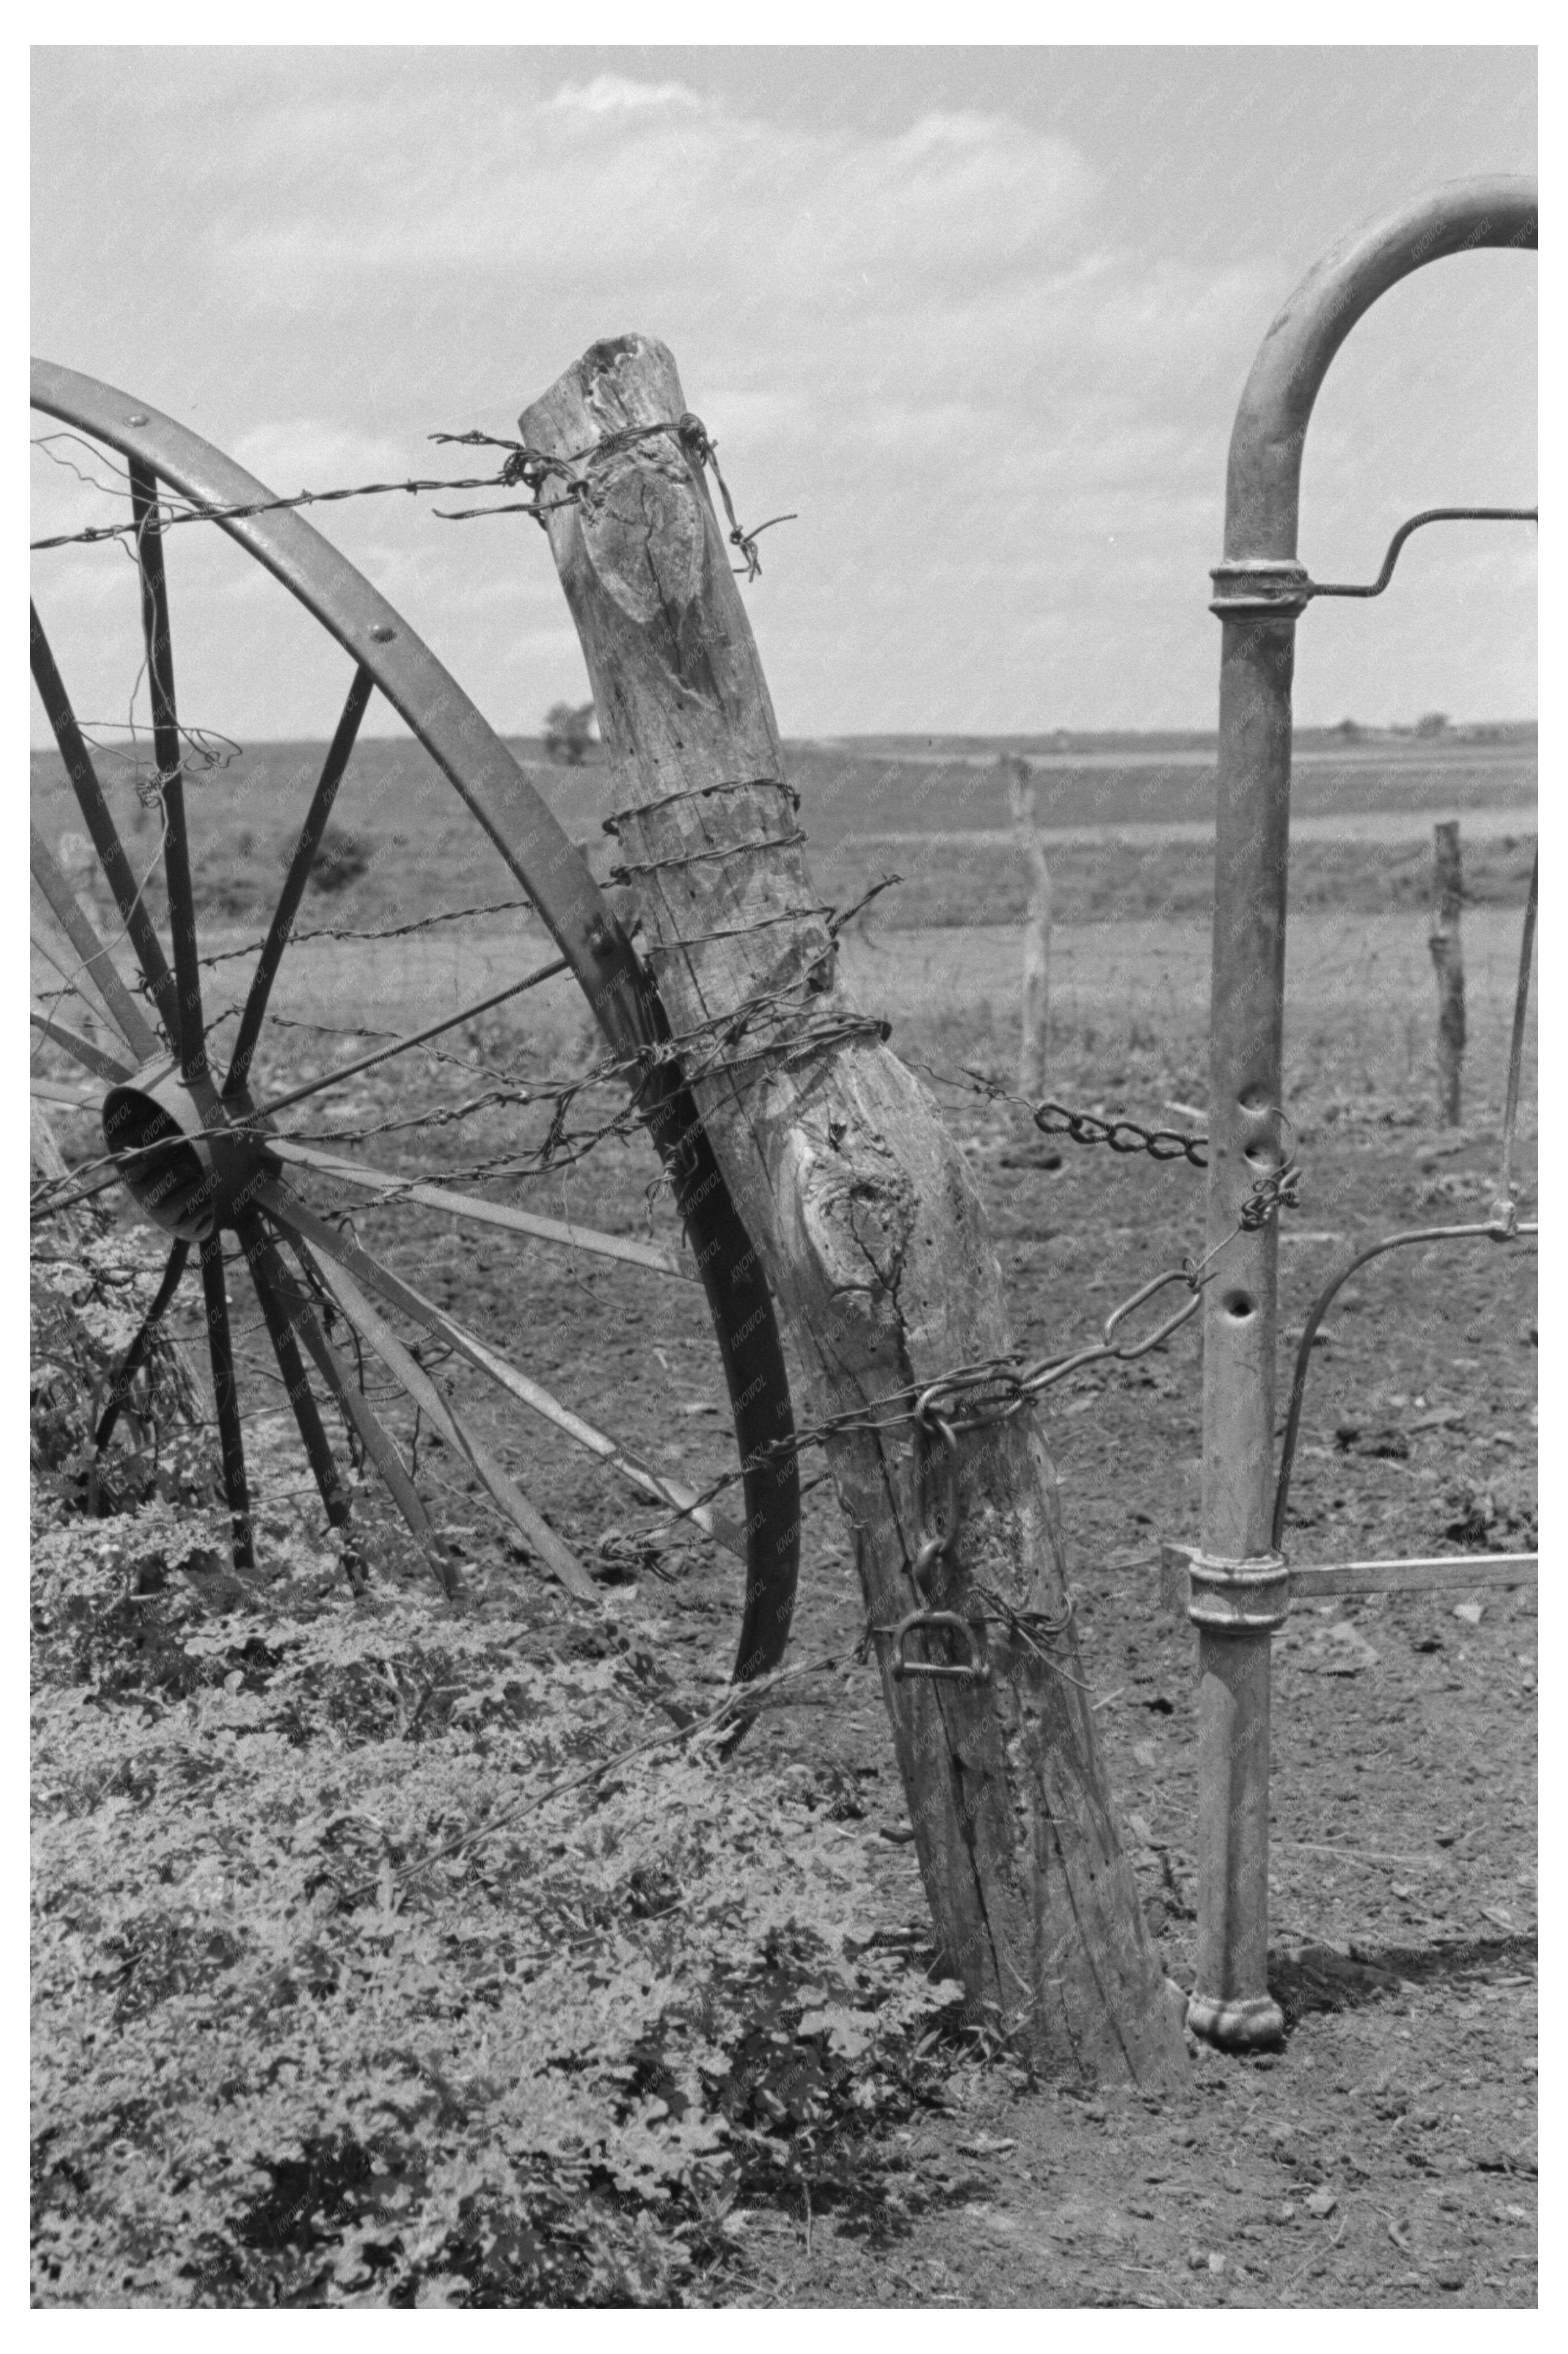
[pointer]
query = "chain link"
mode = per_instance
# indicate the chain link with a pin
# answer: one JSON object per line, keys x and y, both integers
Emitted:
{"x": 1081, "y": 1127}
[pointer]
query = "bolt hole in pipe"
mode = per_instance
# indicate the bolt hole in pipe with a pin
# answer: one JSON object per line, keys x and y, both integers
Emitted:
{"x": 1239, "y": 1306}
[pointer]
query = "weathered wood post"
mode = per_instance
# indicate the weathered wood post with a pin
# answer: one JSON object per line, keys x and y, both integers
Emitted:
{"x": 1449, "y": 957}
{"x": 1034, "y": 1019}
{"x": 871, "y": 1231}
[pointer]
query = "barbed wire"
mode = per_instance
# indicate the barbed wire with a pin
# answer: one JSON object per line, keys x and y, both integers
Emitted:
{"x": 524, "y": 464}
{"x": 169, "y": 509}
{"x": 536, "y": 467}
{"x": 375, "y": 932}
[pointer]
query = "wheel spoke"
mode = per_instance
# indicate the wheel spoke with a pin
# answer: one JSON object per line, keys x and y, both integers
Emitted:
{"x": 358, "y": 1412}
{"x": 101, "y": 828}
{"x": 555, "y": 1554}
{"x": 124, "y": 1012}
{"x": 231, "y": 1441}
{"x": 291, "y": 1215}
{"x": 415, "y": 1038}
{"x": 269, "y": 1275}
{"x": 190, "y": 1035}
{"x": 81, "y": 1050}
{"x": 135, "y": 1355}
{"x": 486, "y": 1214}
{"x": 288, "y": 908}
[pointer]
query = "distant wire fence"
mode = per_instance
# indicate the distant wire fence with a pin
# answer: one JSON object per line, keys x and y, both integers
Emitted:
{"x": 775, "y": 1029}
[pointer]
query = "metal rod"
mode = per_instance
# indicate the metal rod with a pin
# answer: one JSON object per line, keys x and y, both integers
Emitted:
{"x": 548, "y": 1548}
{"x": 362, "y": 1418}
{"x": 81, "y": 1050}
{"x": 1417, "y": 523}
{"x": 1311, "y": 1581}
{"x": 231, "y": 1438}
{"x": 1261, "y": 589}
{"x": 1495, "y": 1231}
{"x": 267, "y": 1274}
{"x": 402, "y": 1046}
{"x": 492, "y": 1213}
{"x": 100, "y": 826}
{"x": 191, "y": 1036}
{"x": 1434, "y": 1573}
{"x": 1515, "y": 1045}
{"x": 135, "y": 1355}
{"x": 361, "y": 688}
{"x": 123, "y": 1011}
{"x": 297, "y": 1220}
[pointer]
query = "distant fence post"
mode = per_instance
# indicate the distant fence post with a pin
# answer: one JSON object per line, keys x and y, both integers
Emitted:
{"x": 1449, "y": 957}
{"x": 1036, "y": 1008}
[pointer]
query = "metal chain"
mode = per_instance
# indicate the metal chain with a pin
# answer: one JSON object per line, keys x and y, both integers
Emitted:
{"x": 996, "y": 1389}
{"x": 1121, "y": 1135}
{"x": 1080, "y": 1127}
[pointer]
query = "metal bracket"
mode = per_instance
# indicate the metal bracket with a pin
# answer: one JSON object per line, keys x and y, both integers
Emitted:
{"x": 1265, "y": 586}
{"x": 978, "y": 1671}
{"x": 1251, "y": 1594}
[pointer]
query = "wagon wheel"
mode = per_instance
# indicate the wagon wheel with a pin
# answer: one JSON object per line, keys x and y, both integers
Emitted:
{"x": 202, "y": 1159}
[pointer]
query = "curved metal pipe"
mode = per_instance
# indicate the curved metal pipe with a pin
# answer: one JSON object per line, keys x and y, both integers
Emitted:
{"x": 1263, "y": 482}
{"x": 1260, "y": 591}
{"x": 1495, "y": 1231}
{"x": 554, "y": 872}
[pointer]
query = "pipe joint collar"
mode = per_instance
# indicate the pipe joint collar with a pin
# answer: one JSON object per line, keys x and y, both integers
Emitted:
{"x": 1260, "y": 587}
{"x": 1252, "y": 1594}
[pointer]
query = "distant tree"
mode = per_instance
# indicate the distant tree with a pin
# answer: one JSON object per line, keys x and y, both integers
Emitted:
{"x": 1349, "y": 729}
{"x": 569, "y": 730}
{"x": 1432, "y": 722}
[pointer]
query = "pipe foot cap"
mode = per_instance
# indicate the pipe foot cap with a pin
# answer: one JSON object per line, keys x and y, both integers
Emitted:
{"x": 1246, "y": 2026}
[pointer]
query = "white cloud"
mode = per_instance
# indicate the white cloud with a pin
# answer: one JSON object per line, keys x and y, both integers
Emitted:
{"x": 614, "y": 95}
{"x": 969, "y": 342}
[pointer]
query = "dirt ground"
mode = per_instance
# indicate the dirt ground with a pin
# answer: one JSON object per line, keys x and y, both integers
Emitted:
{"x": 1385, "y": 2156}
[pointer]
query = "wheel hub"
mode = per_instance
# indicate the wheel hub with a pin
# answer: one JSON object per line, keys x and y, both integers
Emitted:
{"x": 186, "y": 1176}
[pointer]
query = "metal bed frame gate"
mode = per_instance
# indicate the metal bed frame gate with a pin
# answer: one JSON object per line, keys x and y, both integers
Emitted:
{"x": 1239, "y": 1581}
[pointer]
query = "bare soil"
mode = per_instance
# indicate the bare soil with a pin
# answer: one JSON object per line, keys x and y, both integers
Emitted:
{"x": 1385, "y": 2156}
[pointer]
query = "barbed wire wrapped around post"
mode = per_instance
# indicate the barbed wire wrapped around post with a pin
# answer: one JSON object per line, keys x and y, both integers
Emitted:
{"x": 533, "y": 468}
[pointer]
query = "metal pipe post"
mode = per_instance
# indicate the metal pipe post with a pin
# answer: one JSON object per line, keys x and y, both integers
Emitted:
{"x": 1239, "y": 1584}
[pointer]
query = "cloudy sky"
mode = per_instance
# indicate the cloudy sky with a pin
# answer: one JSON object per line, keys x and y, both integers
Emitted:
{"x": 981, "y": 315}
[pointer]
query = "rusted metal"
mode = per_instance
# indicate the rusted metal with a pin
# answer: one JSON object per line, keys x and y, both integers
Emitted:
{"x": 541, "y": 857}
{"x": 230, "y": 1434}
{"x": 191, "y": 1036}
{"x": 135, "y": 1355}
{"x": 123, "y": 1011}
{"x": 975, "y": 1671}
{"x": 101, "y": 829}
{"x": 361, "y": 688}
{"x": 1261, "y": 588}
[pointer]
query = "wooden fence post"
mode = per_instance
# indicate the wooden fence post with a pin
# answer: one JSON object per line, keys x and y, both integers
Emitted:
{"x": 1034, "y": 1021}
{"x": 870, "y": 1230}
{"x": 1448, "y": 955}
